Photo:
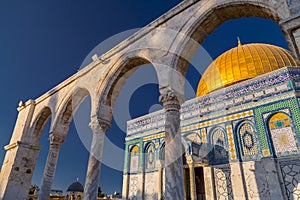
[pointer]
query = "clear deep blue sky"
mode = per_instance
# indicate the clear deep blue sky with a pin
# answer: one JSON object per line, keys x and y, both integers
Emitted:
{"x": 44, "y": 42}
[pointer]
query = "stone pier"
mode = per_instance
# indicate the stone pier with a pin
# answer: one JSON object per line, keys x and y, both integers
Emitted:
{"x": 55, "y": 143}
{"x": 99, "y": 128}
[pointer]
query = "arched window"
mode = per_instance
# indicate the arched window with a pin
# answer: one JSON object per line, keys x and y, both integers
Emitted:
{"x": 150, "y": 157}
{"x": 248, "y": 141}
{"x": 220, "y": 154}
{"x": 282, "y": 134}
{"x": 134, "y": 159}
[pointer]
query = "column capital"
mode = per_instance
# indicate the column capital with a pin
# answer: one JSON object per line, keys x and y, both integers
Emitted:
{"x": 170, "y": 100}
{"x": 56, "y": 138}
{"x": 97, "y": 123}
{"x": 189, "y": 159}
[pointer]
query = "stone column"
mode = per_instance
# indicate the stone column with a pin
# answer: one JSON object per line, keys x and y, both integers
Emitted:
{"x": 190, "y": 162}
{"x": 99, "y": 128}
{"x": 174, "y": 187}
{"x": 159, "y": 168}
{"x": 55, "y": 142}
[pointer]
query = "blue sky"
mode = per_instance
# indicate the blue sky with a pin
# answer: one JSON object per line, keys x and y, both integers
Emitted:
{"x": 44, "y": 42}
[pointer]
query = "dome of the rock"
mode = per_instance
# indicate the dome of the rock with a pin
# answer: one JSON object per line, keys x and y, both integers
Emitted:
{"x": 241, "y": 63}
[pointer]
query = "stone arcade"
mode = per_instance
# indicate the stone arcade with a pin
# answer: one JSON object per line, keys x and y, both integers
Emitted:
{"x": 168, "y": 44}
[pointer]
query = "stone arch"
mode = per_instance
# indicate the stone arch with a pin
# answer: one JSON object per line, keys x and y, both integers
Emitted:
{"x": 149, "y": 155}
{"x": 146, "y": 146}
{"x": 252, "y": 152}
{"x": 117, "y": 75}
{"x": 199, "y": 148}
{"x": 219, "y": 146}
{"x": 134, "y": 158}
{"x": 193, "y": 136}
{"x": 67, "y": 109}
{"x": 39, "y": 124}
{"x": 206, "y": 20}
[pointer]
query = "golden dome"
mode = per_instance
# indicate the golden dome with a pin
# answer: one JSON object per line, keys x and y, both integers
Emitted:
{"x": 242, "y": 63}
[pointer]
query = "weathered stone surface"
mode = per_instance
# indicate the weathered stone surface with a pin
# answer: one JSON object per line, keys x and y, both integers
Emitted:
{"x": 99, "y": 128}
{"x": 174, "y": 185}
{"x": 55, "y": 142}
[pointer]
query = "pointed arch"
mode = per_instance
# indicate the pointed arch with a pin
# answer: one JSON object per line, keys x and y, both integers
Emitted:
{"x": 219, "y": 145}
{"x": 247, "y": 140}
{"x": 149, "y": 156}
{"x": 282, "y": 134}
{"x": 193, "y": 137}
{"x": 134, "y": 155}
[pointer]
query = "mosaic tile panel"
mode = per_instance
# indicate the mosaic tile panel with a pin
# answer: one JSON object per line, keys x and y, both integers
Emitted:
{"x": 291, "y": 177}
{"x": 232, "y": 149}
{"x": 272, "y": 83}
{"x": 262, "y": 129}
{"x": 150, "y": 186}
{"x": 126, "y": 159}
{"x": 133, "y": 187}
{"x": 128, "y": 147}
{"x": 156, "y": 136}
{"x": 203, "y": 135}
{"x": 134, "y": 159}
{"x": 248, "y": 141}
{"x": 223, "y": 184}
{"x": 141, "y": 158}
{"x": 150, "y": 157}
{"x": 147, "y": 122}
{"x": 284, "y": 141}
{"x": 218, "y": 121}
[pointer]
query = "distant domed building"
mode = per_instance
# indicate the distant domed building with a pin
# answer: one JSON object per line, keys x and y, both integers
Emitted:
{"x": 74, "y": 191}
{"x": 240, "y": 135}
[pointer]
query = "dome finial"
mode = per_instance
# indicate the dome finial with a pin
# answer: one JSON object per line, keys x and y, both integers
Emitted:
{"x": 239, "y": 42}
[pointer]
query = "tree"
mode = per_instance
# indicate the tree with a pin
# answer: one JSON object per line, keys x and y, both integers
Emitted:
{"x": 100, "y": 193}
{"x": 32, "y": 189}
